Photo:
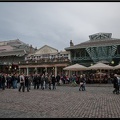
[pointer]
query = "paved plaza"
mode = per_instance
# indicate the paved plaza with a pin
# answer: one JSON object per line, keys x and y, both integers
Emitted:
{"x": 64, "y": 102}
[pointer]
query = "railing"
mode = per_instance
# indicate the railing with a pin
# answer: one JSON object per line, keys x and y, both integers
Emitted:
{"x": 45, "y": 61}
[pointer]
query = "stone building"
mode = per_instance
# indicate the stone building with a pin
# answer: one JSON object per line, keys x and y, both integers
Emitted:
{"x": 45, "y": 60}
{"x": 12, "y": 52}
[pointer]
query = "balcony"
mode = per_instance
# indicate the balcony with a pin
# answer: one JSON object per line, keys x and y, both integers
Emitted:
{"x": 46, "y": 61}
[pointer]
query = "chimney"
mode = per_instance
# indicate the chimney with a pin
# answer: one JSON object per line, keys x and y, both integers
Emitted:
{"x": 30, "y": 48}
{"x": 71, "y": 43}
{"x": 35, "y": 48}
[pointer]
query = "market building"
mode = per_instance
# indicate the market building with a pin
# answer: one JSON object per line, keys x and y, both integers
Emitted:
{"x": 45, "y": 60}
{"x": 99, "y": 47}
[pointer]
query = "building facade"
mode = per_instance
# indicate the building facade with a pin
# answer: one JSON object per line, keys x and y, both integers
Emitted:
{"x": 99, "y": 47}
{"x": 12, "y": 52}
{"x": 45, "y": 60}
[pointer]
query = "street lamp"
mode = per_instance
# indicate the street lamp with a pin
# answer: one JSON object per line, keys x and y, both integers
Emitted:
{"x": 112, "y": 62}
{"x": 10, "y": 68}
{"x": 91, "y": 64}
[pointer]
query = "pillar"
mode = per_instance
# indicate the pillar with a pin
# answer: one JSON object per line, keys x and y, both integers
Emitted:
{"x": 55, "y": 70}
{"x": 36, "y": 70}
{"x": 27, "y": 71}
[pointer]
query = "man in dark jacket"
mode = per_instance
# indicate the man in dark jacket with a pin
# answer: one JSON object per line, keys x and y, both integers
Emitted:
{"x": 115, "y": 84}
{"x": 53, "y": 81}
{"x": 27, "y": 83}
{"x": 35, "y": 81}
{"x": 3, "y": 81}
{"x": 38, "y": 80}
{"x": 58, "y": 79}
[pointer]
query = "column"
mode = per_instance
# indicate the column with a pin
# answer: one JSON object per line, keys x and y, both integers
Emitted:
{"x": 55, "y": 70}
{"x": 27, "y": 71}
{"x": 45, "y": 70}
{"x": 36, "y": 70}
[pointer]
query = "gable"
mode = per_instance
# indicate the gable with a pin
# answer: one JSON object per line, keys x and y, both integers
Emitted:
{"x": 46, "y": 50}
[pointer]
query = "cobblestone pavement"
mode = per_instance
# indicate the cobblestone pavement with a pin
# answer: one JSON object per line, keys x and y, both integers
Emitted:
{"x": 63, "y": 102}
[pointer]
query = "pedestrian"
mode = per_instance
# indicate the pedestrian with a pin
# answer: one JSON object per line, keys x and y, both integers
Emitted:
{"x": 38, "y": 80}
{"x": 53, "y": 81}
{"x": 118, "y": 84}
{"x": 58, "y": 79}
{"x": 30, "y": 77}
{"x": 35, "y": 81}
{"x": 3, "y": 81}
{"x": 46, "y": 81}
{"x": 27, "y": 83}
{"x": 42, "y": 81}
{"x": 115, "y": 84}
{"x": 14, "y": 81}
{"x": 82, "y": 83}
{"x": 49, "y": 81}
{"x": 9, "y": 81}
{"x": 22, "y": 83}
{"x": 81, "y": 86}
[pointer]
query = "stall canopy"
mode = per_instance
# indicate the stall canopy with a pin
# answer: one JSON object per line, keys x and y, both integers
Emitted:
{"x": 75, "y": 67}
{"x": 117, "y": 66}
{"x": 100, "y": 66}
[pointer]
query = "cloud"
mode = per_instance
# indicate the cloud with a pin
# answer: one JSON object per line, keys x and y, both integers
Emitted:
{"x": 56, "y": 23}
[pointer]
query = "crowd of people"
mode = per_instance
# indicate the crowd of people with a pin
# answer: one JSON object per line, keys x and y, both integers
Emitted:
{"x": 48, "y": 81}
{"x": 22, "y": 81}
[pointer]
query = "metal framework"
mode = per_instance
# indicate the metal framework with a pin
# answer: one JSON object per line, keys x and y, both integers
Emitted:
{"x": 100, "y": 52}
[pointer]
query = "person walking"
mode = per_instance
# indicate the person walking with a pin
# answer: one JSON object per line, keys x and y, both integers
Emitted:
{"x": 9, "y": 81}
{"x": 115, "y": 84}
{"x": 3, "y": 81}
{"x": 35, "y": 81}
{"x": 82, "y": 83}
{"x": 22, "y": 83}
{"x": 53, "y": 81}
{"x": 49, "y": 81}
{"x": 46, "y": 81}
{"x": 42, "y": 81}
{"x": 27, "y": 83}
{"x": 14, "y": 81}
{"x": 58, "y": 79}
{"x": 118, "y": 88}
{"x": 38, "y": 80}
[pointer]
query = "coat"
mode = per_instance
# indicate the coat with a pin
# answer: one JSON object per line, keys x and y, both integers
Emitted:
{"x": 115, "y": 82}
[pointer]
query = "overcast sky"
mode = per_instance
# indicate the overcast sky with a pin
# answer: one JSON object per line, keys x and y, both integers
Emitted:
{"x": 56, "y": 23}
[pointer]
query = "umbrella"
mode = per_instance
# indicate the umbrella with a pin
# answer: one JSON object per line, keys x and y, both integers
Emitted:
{"x": 117, "y": 66}
{"x": 100, "y": 66}
{"x": 75, "y": 67}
